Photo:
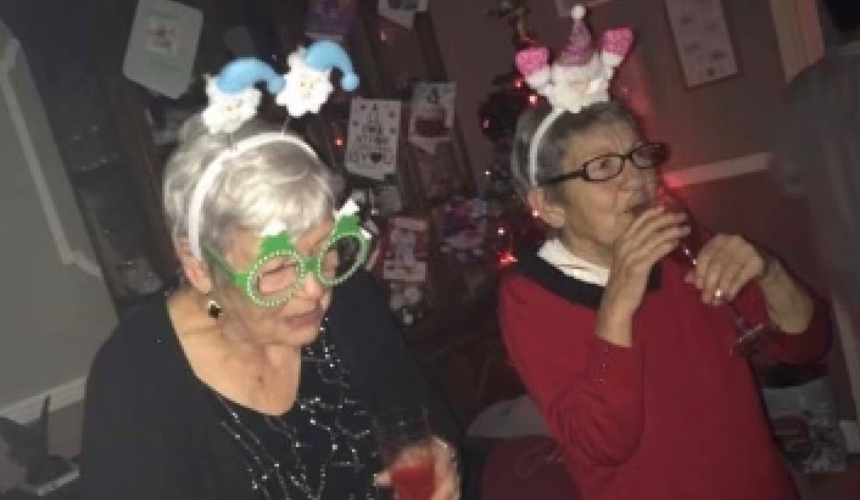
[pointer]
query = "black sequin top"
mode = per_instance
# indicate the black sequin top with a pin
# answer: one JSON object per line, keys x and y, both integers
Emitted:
{"x": 322, "y": 448}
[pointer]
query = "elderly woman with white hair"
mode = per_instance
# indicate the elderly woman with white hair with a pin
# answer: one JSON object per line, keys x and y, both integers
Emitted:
{"x": 261, "y": 375}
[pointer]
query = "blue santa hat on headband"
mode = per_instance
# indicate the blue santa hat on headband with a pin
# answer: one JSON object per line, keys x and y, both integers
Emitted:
{"x": 308, "y": 83}
{"x": 325, "y": 55}
{"x": 234, "y": 98}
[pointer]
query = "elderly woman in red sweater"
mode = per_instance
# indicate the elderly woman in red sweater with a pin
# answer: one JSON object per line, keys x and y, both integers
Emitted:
{"x": 626, "y": 351}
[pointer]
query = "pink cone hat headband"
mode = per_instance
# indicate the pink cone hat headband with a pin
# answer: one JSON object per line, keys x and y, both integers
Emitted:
{"x": 578, "y": 77}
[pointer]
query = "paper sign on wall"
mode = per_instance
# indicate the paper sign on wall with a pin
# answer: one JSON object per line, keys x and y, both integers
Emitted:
{"x": 432, "y": 114}
{"x": 404, "y": 248}
{"x": 162, "y": 46}
{"x": 702, "y": 39}
{"x": 374, "y": 129}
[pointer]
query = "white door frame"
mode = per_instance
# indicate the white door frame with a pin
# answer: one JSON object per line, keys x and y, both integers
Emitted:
{"x": 801, "y": 43}
{"x": 798, "y": 32}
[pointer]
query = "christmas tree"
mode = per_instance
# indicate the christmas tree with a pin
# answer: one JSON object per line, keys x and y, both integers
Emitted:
{"x": 513, "y": 227}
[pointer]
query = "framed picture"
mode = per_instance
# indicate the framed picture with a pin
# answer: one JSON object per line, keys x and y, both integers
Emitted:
{"x": 702, "y": 40}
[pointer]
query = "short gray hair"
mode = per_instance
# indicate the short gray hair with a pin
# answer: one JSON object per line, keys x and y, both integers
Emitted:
{"x": 555, "y": 141}
{"x": 277, "y": 181}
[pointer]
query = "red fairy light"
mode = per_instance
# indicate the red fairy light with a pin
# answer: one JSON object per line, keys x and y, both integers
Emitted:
{"x": 533, "y": 99}
{"x": 506, "y": 258}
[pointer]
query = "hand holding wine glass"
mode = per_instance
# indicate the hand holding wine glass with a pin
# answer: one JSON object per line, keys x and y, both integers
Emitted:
{"x": 720, "y": 268}
{"x": 418, "y": 466}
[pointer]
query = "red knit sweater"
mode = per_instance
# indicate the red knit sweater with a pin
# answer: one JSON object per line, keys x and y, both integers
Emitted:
{"x": 676, "y": 416}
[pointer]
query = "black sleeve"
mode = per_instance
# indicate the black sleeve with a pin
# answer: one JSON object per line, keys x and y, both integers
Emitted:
{"x": 377, "y": 354}
{"x": 127, "y": 451}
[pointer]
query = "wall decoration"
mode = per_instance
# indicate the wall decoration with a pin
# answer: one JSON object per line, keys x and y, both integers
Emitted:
{"x": 436, "y": 174}
{"x": 162, "y": 46}
{"x": 431, "y": 116}
{"x": 461, "y": 224}
{"x": 385, "y": 197}
{"x": 408, "y": 301}
{"x": 374, "y": 130}
{"x": 404, "y": 249}
{"x": 702, "y": 40}
{"x": 330, "y": 19}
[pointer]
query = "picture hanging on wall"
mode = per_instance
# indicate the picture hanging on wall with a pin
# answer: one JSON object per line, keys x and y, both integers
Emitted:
{"x": 162, "y": 46}
{"x": 702, "y": 40}
{"x": 374, "y": 130}
{"x": 431, "y": 114}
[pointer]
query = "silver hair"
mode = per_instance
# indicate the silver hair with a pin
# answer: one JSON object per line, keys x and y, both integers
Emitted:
{"x": 277, "y": 181}
{"x": 554, "y": 143}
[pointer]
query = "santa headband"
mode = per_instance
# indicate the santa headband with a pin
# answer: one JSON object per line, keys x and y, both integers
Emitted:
{"x": 578, "y": 77}
{"x": 234, "y": 98}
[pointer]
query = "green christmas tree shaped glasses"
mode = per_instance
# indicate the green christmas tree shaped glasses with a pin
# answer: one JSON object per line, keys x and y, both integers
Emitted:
{"x": 280, "y": 268}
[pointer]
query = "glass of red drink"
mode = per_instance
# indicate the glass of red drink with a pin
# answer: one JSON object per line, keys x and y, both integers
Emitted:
{"x": 406, "y": 448}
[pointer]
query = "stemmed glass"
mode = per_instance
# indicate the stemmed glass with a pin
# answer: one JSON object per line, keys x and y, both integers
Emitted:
{"x": 749, "y": 334}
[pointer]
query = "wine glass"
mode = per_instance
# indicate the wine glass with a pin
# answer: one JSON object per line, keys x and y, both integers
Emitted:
{"x": 749, "y": 334}
{"x": 406, "y": 448}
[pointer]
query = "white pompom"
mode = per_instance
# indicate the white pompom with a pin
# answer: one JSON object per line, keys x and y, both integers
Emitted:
{"x": 577, "y": 12}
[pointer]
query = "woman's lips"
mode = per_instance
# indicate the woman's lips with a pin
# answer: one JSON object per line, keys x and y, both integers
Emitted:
{"x": 304, "y": 319}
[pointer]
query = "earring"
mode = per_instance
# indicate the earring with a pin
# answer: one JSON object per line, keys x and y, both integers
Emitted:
{"x": 213, "y": 309}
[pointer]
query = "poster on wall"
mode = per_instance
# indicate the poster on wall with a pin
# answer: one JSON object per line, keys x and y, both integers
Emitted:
{"x": 162, "y": 46}
{"x": 702, "y": 40}
{"x": 432, "y": 115}
{"x": 330, "y": 19}
{"x": 374, "y": 129}
{"x": 404, "y": 249}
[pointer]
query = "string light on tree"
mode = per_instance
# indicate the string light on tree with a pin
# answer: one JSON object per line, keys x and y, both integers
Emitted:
{"x": 512, "y": 225}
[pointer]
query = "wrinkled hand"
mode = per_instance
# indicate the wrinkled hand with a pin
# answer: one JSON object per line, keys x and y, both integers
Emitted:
{"x": 652, "y": 236}
{"x": 445, "y": 469}
{"x": 724, "y": 266}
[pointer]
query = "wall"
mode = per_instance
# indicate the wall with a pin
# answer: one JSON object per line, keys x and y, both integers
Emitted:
{"x": 720, "y": 122}
{"x": 55, "y": 307}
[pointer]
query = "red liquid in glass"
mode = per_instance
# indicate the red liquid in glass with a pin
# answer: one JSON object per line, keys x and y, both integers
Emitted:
{"x": 414, "y": 482}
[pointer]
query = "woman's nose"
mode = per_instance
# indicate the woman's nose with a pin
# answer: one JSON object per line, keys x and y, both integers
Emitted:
{"x": 311, "y": 286}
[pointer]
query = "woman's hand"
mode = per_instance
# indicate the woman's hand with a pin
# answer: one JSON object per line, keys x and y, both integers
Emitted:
{"x": 651, "y": 237}
{"x": 445, "y": 470}
{"x": 724, "y": 266}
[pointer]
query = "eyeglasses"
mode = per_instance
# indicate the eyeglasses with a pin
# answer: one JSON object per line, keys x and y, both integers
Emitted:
{"x": 278, "y": 272}
{"x": 605, "y": 167}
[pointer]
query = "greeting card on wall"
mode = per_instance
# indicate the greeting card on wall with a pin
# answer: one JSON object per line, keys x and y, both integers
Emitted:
{"x": 403, "y": 248}
{"x": 432, "y": 115}
{"x": 702, "y": 40}
{"x": 162, "y": 46}
{"x": 374, "y": 129}
{"x": 330, "y": 19}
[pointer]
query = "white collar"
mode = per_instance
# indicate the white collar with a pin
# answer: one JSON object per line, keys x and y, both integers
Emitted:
{"x": 556, "y": 254}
